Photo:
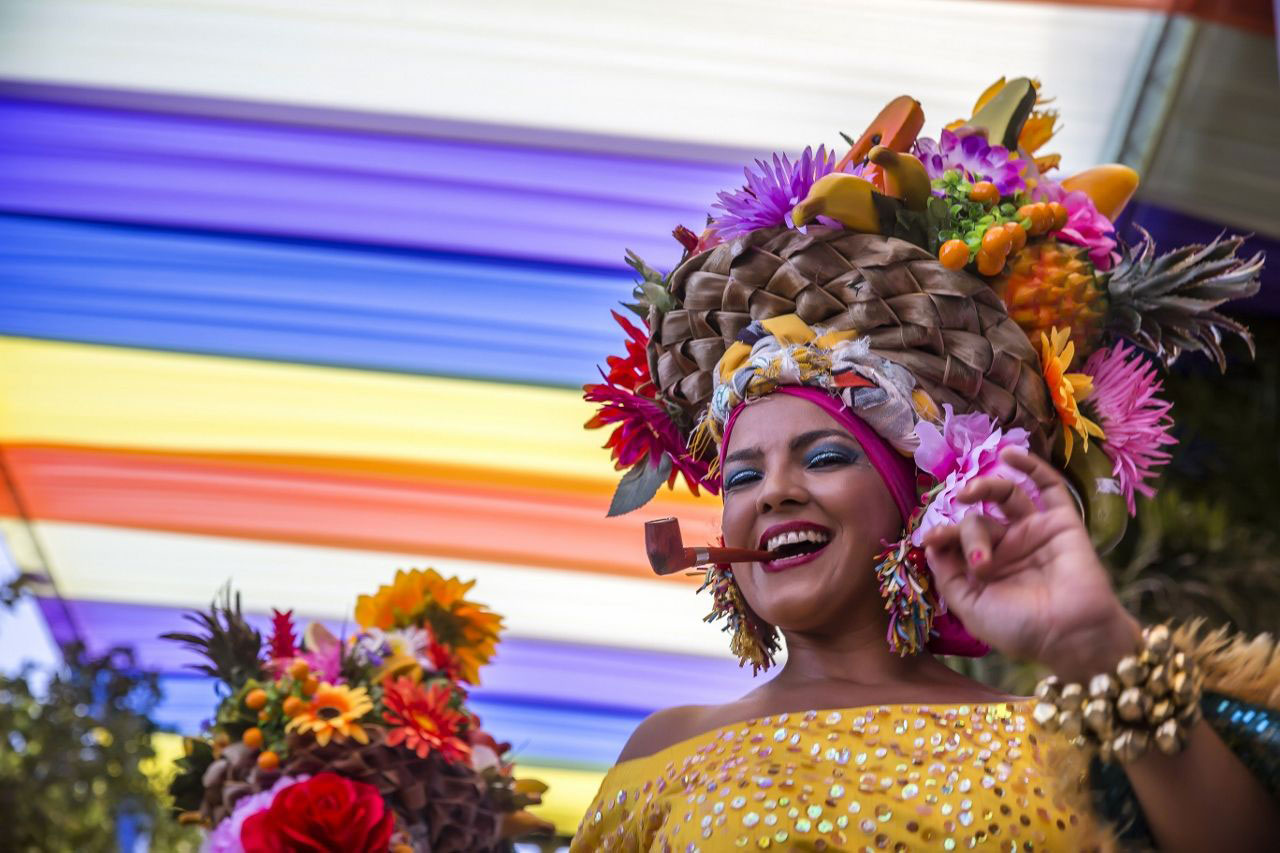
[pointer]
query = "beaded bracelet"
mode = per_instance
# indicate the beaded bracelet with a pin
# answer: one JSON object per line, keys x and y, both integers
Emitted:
{"x": 1154, "y": 695}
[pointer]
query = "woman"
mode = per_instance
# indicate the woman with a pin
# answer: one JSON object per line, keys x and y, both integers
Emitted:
{"x": 858, "y": 743}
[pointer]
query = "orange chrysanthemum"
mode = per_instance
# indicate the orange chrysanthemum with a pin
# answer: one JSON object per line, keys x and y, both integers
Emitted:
{"x": 1067, "y": 389}
{"x": 424, "y": 719}
{"x": 333, "y": 710}
{"x": 423, "y": 597}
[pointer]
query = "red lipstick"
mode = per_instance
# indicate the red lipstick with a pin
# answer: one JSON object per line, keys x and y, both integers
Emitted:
{"x": 779, "y": 564}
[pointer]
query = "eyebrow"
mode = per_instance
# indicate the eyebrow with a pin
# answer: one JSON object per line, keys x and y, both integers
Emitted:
{"x": 798, "y": 442}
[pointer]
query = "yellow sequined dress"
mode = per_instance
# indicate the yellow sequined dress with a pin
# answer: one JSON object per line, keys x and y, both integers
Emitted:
{"x": 894, "y": 777}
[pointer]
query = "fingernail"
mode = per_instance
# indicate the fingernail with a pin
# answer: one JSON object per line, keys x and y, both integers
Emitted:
{"x": 976, "y": 557}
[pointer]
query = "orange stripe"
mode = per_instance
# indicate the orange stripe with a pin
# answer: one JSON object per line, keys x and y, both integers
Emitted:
{"x": 450, "y": 512}
{"x": 1257, "y": 15}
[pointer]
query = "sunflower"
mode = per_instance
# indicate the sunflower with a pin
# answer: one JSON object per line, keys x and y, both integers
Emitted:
{"x": 333, "y": 709}
{"x": 425, "y": 720}
{"x": 1067, "y": 389}
{"x": 422, "y": 597}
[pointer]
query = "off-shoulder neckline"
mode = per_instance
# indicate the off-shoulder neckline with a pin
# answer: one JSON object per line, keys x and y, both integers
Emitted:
{"x": 679, "y": 746}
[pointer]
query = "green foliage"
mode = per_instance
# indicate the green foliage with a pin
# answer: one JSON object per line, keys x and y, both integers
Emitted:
{"x": 650, "y": 291}
{"x": 74, "y": 755}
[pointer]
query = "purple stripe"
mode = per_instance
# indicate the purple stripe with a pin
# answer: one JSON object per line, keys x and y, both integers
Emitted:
{"x": 530, "y": 670}
{"x": 292, "y": 180}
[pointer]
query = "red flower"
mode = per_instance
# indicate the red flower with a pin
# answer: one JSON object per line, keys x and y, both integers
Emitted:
{"x": 442, "y": 660}
{"x": 645, "y": 430}
{"x": 325, "y": 813}
{"x": 425, "y": 720}
{"x": 284, "y": 645}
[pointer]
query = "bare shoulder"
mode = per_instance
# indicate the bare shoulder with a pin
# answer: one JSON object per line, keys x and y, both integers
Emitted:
{"x": 663, "y": 728}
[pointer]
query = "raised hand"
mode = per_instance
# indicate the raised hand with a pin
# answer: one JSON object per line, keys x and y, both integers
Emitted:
{"x": 1031, "y": 587}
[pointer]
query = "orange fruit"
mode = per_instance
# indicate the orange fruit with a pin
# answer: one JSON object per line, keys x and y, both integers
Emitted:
{"x": 995, "y": 240}
{"x": 310, "y": 685}
{"x": 1017, "y": 236}
{"x": 299, "y": 669}
{"x": 293, "y": 706}
{"x": 953, "y": 254}
{"x": 1059, "y": 212}
{"x": 990, "y": 263}
{"x": 252, "y": 738}
{"x": 255, "y": 699}
{"x": 268, "y": 760}
{"x": 985, "y": 192}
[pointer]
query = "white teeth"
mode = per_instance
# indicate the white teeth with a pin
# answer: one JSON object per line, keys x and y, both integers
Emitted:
{"x": 795, "y": 536}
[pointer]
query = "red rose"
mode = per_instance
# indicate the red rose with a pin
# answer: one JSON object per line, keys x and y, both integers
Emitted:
{"x": 326, "y": 813}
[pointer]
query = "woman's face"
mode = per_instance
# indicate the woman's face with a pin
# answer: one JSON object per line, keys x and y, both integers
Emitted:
{"x": 794, "y": 478}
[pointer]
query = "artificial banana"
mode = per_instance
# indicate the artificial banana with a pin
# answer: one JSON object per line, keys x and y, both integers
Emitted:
{"x": 843, "y": 197}
{"x": 904, "y": 176}
{"x": 1109, "y": 186}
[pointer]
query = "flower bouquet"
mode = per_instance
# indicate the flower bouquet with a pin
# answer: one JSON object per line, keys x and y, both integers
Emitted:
{"x": 356, "y": 744}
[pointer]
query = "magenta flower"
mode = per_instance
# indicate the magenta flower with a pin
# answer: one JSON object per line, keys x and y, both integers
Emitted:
{"x": 771, "y": 191}
{"x": 225, "y": 837}
{"x": 1135, "y": 420}
{"x": 1085, "y": 225}
{"x": 973, "y": 157}
{"x": 967, "y": 446}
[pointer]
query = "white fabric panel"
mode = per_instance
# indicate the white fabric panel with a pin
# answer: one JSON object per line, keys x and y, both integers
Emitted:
{"x": 175, "y": 569}
{"x": 750, "y": 73}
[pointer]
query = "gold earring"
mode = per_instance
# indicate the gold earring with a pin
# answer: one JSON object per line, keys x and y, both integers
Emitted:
{"x": 752, "y": 639}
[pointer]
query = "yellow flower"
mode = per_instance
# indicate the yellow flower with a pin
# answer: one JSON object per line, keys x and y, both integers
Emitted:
{"x": 1067, "y": 389}
{"x": 334, "y": 709}
{"x": 421, "y": 597}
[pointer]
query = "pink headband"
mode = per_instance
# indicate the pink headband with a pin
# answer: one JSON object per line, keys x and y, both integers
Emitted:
{"x": 898, "y": 474}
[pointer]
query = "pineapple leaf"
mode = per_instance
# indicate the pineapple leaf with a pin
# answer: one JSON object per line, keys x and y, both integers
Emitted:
{"x": 229, "y": 644}
{"x": 1165, "y": 303}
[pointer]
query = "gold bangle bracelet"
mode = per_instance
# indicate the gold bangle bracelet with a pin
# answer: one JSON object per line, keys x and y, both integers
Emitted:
{"x": 1153, "y": 696}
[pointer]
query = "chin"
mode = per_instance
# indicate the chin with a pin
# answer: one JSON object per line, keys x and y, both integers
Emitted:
{"x": 798, "y": 599}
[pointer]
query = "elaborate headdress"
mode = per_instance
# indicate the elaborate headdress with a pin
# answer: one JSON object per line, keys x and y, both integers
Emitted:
{"x": 953, "y": 296}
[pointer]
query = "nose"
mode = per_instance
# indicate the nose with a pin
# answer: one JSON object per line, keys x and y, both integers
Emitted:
{"x": 782, "y": 486}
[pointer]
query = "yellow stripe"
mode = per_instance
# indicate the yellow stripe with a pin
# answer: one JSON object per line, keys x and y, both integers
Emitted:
{"x": 568, "y": 795}
{"x": 61, "y": 393}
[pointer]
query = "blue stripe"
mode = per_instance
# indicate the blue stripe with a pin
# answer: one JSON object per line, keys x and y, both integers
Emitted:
{"x": 387, "y": 310}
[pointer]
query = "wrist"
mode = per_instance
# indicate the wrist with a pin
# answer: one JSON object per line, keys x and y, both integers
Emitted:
{"x": 1095, "y": 649}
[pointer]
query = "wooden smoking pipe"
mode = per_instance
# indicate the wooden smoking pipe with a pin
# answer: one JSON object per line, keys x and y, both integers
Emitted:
{"x": 667, "y": 554}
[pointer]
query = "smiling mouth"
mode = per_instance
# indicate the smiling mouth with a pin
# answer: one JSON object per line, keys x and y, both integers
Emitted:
{"x": 794, "y": 548}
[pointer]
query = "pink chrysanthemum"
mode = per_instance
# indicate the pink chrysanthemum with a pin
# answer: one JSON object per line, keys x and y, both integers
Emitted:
{"x": 771, "y": 191}
{"x": 1135, "y": 420}
{"x": 1085, "y": 225}
{"x": 967, "y": 447}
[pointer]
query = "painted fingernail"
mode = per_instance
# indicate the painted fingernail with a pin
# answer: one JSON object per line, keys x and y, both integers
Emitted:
{"x": 976, "y": 557}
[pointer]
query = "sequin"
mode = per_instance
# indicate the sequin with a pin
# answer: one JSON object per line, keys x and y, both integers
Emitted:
{"x": 949, "y": 777}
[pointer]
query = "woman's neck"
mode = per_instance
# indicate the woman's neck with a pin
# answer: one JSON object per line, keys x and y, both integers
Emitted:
{"x": 855, "y": 656}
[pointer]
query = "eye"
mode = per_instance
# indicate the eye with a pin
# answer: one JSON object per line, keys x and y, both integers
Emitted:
{"x": 825, "y": 457}
{"x": 741, "y": 477}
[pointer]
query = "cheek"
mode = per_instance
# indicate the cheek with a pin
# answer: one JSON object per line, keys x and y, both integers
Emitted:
{"x": 735, "y": 523}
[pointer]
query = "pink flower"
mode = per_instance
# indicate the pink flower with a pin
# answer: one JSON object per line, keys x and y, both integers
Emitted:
{"x": 968, "y": 446}
{"x": 225, "y": 837}
{"x": 1085, "y": 225}
{"x": 1135, "y": 420}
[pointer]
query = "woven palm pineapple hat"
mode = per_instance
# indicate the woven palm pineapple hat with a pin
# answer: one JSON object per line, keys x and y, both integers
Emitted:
{"x": 954, "y": 293}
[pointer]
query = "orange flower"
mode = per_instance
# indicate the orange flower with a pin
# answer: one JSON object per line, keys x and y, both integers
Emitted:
{"x": 333, "y": 710}
{"x": 421, "y": 597}
{"x": 424, "y": 719}
{"x": 1067, "y": 389}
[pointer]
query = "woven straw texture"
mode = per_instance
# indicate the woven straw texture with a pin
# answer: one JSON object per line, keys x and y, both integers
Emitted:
{"x": 947, "y": 327}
